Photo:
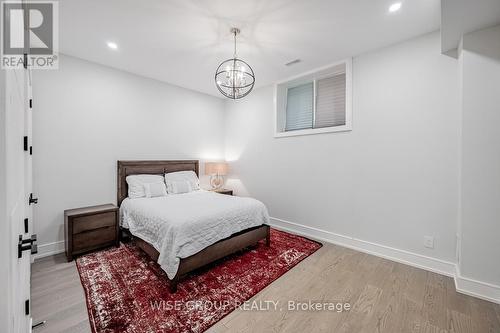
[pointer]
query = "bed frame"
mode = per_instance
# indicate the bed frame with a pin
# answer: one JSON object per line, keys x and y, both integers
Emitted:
{"x": 221, "y": 249}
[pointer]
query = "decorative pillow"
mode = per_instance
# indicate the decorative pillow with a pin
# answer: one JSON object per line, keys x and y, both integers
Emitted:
{"x": 136, "y": 184}
{"x": 181, "y": 186}
{"x": 189, "y": 176}
{"x": 153, "y": 190}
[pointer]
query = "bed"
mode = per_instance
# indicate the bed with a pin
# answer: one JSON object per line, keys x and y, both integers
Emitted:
{"x": 184, "y": 232}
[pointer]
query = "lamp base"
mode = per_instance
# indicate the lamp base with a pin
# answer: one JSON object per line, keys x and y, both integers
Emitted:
{"x": 216, "y": 181}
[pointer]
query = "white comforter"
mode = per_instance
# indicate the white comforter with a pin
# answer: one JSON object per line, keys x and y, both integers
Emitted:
{"x": 181, "y": 225}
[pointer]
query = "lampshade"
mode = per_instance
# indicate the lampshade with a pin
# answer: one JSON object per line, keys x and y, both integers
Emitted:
{"x": 212, "y": 168}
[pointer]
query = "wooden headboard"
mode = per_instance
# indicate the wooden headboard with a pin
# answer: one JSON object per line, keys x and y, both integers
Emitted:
{"x": 127, "y": 168}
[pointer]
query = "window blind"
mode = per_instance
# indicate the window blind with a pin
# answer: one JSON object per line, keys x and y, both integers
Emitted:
{"x": 330, "y": 101}
{"x": 299, "y": 107}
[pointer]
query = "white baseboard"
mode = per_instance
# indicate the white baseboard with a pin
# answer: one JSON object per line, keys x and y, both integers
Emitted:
{"x": 387, "y": 252}
{"x": 463, "y": 285}
{"x": 475, "y": 288}
{"x": 49, "y": 249}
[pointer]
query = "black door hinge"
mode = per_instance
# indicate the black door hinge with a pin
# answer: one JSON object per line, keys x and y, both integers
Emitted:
{"x": 26, "y": 244}
{"x": 31, "y": 150}
{"x": 27, "y": 307}
{"x": 25, "y": 143}
{"x": 32, "y": 200}
{"x": 25, "y": 60}
{"x": 31, "y": 103}
{"x": 26, "y": 225}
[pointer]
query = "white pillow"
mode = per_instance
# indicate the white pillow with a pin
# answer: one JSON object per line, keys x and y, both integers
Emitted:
{"x": 181, "y": 186}
{"x": 189, "y": 176}
{"x": 153, "y": 190}
{"x": 136, "y": 184}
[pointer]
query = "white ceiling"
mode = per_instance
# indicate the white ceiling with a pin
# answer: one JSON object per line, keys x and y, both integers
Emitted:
{"x": 459, "y": 17}
{"x": 183, "y": 41}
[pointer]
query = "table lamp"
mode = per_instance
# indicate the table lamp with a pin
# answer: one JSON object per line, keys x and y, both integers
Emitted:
{"x": 217, "y": 171}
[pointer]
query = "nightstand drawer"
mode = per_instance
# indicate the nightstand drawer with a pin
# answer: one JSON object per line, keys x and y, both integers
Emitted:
{"x": 94, "y": 238}
{"x": 91, "y": 222}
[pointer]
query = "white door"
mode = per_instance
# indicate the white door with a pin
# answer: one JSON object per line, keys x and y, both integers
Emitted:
{"x": 17, "y": 191}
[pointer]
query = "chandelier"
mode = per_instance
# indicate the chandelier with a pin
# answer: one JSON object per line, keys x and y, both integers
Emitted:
{"x": 234, "y": 77}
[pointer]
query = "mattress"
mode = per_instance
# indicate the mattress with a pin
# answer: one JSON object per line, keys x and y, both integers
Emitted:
{"x": 181, "y": 225}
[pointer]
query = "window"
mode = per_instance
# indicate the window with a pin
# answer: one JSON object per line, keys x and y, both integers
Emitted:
{"x": 299, "y": 107}
{"x": 318, "y": 102}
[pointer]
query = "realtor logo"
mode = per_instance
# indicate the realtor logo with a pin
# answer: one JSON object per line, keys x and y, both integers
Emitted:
{"x": 29, "y": 34}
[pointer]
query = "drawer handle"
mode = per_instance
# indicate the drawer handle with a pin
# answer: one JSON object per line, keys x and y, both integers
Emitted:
{"x": 90, "y": 230}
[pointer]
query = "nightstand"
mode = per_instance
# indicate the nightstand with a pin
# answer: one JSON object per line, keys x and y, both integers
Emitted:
{"x": 224, "y": 191}
{"x": 90, "y": 228}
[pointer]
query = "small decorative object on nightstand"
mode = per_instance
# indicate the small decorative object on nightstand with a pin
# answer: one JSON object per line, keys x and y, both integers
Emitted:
{"x": 224, "y": 191}
{"x": 216, "y": 171}
{"x": 90, "y": 228}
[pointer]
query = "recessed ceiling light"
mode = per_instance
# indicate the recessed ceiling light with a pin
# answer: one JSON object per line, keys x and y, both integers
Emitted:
{"x": 395, "y": 7}
{"x": 112, "y": 45}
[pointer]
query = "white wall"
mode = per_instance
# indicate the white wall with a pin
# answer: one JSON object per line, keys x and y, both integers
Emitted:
{"x": 391, "y": 180}
{"x": 480, "y": 222}
{"x": 87, "y": 116}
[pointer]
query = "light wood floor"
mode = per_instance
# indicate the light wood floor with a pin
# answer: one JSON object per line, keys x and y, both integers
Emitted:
{"x": 385, "y": 297}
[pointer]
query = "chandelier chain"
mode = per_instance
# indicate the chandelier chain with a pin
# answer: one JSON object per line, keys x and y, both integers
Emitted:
{"x": 235, "y": 32}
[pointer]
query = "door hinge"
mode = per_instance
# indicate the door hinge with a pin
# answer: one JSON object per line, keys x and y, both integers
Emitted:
{"x": 26, "y": 225}
{"x": 31, "y": 103}
{"x": 27, "y": 307}
{"x": 31, "y": 150}
{"x": 32, "y": 200}
{"x": 25, "y": 143}
{"x": 25, "y": 60}
{"x": 31, "y": 245}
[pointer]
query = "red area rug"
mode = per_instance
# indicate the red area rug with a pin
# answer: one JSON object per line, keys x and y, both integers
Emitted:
{"x": 128, "y": 292}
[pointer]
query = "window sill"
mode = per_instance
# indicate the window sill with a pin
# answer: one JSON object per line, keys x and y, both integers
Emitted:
{"x": 313, "y": 131}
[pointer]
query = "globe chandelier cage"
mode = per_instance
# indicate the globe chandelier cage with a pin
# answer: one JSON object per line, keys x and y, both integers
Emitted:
{"x": 234, "y": 77}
